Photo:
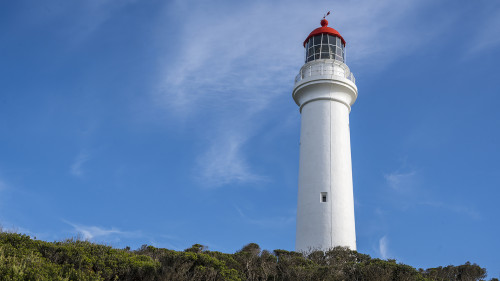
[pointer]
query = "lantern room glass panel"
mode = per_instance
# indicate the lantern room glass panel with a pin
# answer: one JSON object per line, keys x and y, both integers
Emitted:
{"x": 324, "y": 46}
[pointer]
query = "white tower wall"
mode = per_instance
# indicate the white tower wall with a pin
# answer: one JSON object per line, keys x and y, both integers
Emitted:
{"x": 325, "y": 95}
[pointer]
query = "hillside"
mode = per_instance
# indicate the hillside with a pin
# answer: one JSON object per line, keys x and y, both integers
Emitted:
{"x": 23, "y": 258}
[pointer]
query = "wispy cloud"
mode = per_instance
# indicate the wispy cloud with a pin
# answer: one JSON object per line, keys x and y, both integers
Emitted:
{"x": 455, "y": 208}
{"x": 487, "y": 32}
{"x": 77, "y": 166}
{"x": 401, "y": 181}
{"x": 86, "y": 17}
{"x": 91, "y": 232}
{"x": 380, "y": 32}
{"x": 224, "y": 163}
{"x": 411, "y": 192}
{"x": 234, "y": 60}
{"x": 383, "y": 247}
{"x": 245, "y": 57}
{"x": 15, "y": 229}
{"x": 228, "y": 62}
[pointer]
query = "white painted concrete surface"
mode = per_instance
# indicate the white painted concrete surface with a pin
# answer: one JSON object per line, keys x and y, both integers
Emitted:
{"x": 325, "y": 159}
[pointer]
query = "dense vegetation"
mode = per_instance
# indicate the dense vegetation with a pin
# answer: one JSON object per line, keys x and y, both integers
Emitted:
{"x": 22, "y": 258}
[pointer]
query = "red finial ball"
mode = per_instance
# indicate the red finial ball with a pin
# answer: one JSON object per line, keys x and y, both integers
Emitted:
{"x": 324, "y": 22}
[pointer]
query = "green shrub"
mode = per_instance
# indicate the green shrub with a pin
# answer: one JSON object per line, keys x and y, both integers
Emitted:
{"x": 22, "y": 258}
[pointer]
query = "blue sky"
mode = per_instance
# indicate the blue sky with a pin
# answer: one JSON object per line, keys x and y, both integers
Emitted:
{"x": 171, "y": 123}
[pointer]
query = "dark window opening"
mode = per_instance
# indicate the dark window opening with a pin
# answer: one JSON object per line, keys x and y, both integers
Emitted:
{"x": 323, "y": 197}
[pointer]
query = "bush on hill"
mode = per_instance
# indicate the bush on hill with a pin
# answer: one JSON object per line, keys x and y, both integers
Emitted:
{"x": 22, "y": 258}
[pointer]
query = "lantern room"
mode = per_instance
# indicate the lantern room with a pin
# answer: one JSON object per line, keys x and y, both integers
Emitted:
{"x": 324, "y": 43}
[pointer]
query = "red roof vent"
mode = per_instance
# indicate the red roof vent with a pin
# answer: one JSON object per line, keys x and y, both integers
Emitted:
{"x": 324, "y": 29}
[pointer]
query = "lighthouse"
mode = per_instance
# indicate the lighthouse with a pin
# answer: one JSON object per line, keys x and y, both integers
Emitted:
{"x": 325, "y": 90}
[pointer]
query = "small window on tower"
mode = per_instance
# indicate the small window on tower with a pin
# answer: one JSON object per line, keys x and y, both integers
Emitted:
{"x": 324, "y": 197}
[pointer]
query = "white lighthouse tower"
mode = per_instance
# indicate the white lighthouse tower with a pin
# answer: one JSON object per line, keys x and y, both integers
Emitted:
{"x": 325, "y": 90}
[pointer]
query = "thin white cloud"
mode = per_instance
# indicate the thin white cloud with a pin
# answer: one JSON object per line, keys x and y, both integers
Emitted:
{"x": 407, "y": 184}
{"x": 251, "y": 46}
{"x": 455, "y": 208}
{"x": 383, "y": 247}
{"x": 224, "y": 163}
{"x": 401, "y": 181}
{"x": 77, "y": 166}
{"x": 91, "y": 232}
{"x": 87, "y": 17}
{"x": 15, "y": 229}
{"x": 379, "y": 32}
{"x": 486, "y": 35}
{"x": 235, "y": 62}
{"x": 226, "y": 62}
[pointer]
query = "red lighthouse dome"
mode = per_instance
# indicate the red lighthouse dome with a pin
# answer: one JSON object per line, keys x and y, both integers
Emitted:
{"x": 324, "y": 29}
{"x": 325, "y": 43}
